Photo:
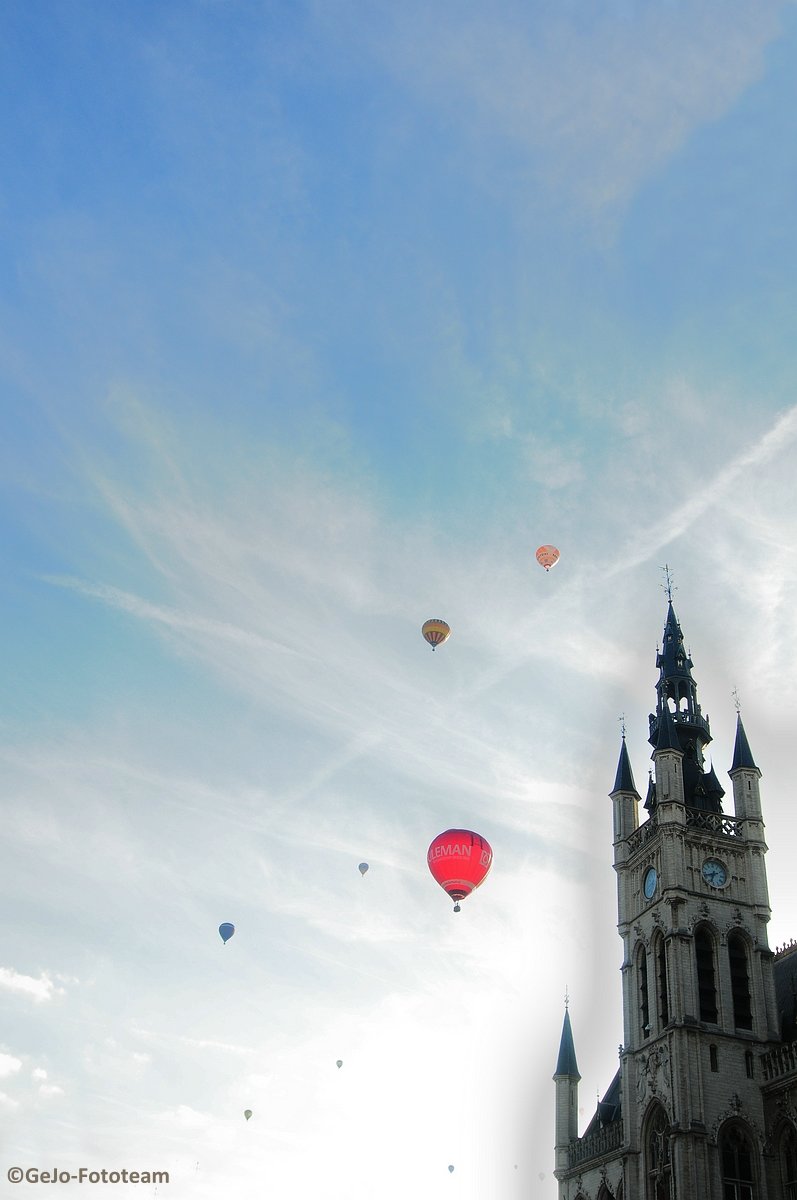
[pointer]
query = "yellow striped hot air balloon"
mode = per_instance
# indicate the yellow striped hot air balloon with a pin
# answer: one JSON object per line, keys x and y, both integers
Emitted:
{"x": 436, "y": 632}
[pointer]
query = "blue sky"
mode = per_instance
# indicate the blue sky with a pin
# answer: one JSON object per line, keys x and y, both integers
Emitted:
{"x": 315, "y": 321}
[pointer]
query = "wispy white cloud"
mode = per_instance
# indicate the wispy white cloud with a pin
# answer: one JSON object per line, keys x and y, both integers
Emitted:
{"x": 596, "y": 101}
{"x": 169, "y": 617}
{"x": 38, "y": 989}
{"x": 194, "y": 1043}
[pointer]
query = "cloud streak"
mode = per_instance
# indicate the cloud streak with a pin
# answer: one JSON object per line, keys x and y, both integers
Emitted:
{"x": 655, "y": 537}
{"x": 596, "y": 104}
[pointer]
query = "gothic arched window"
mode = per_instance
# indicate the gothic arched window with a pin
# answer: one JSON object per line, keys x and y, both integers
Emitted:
{"x": 658, "y": 1168}
{"x": 737, "y": 1156}
{"x": 661, "y": 982}
{"x": 706, "y": 985}
{"x": 644, "y": 1004}
{"x": 788, "y": 1162}
{"x": 740, "y": 982}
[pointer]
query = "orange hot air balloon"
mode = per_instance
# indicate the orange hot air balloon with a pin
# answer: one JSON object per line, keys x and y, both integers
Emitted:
{"x": 436, "y": 632}
{"x": 459, "y": 860}
{"x": 547, "y": 556}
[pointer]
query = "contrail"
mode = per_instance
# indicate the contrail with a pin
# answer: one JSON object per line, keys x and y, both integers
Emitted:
{"x": 172, "y": 618}
{"x": 680, "y": 519}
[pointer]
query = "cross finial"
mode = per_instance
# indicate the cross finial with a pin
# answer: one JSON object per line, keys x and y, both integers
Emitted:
{"x": 736, "y": 702}
{"x": 621, "y": 719}
{"x": 668, "y": 585}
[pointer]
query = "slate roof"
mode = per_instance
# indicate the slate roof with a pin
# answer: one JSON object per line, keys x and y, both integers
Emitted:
{"x": 742, "y": 755}
{"x": 608, "y": 1110}
{"x": 566, "y": 1062}
{"x": 624, "y": 779}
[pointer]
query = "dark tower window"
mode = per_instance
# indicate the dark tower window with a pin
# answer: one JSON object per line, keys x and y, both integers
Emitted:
{"x": 740, "y": 982}
{"x": 788, "y": 1163}
{"x": 706, "y": 987}
{"x": 661, "y": 962}
{"x": 748, "y": 1063}
{"x": 644, "y": 1007}
{"x": 736, "y": 1150}
{"x": 713, "y": 1059}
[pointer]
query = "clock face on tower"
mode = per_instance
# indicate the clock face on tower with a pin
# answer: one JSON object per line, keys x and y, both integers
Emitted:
{"x": 714, "y": 873}
{"x": 649, "y": 882}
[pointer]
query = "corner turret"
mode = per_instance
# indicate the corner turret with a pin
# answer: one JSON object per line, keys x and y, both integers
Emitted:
{"x": 624, "y": 796}
{"x": 745, "y": 776}
{"x": 566, "y": 1078}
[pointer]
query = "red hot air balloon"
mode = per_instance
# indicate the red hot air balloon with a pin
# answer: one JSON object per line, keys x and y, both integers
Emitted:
{"x": 459, "y": 860}
{"x": 547, "y": 556}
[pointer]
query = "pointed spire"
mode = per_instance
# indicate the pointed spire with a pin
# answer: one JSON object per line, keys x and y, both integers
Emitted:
{"x": 668, "y": 738}
{"x": 650, "y": 799}
{"x": 677, "y": 685}
{"x": 711, "y": 784}
{"x": 742, "y": 755}
{"x": 673, "y": 659}
{"x": 624, "y": 779}
{"x": 566, "y": 1062}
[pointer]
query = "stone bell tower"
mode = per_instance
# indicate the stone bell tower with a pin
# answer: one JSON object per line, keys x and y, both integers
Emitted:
{"x": 699, "y": 1108}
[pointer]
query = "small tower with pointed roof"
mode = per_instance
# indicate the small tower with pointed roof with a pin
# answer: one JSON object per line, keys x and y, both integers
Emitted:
{"x": 624, "y": 796}
{"x": 567, "y": 1078}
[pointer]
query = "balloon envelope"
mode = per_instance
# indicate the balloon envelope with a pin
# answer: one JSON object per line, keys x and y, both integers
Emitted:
{"x": 226, "y": 929}
{"x": 435, "y": 631}
{"x": 363, "y": 867}
{"x": 247, "y": 1113}
{"x": 451, "y": 1168}
{"x": 547, "y": 556}
{"x": 459, "y": 860}
{"x": 339, "y": 1063}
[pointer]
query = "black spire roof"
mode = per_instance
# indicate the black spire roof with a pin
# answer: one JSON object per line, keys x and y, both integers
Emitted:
{"x": 566, "y": 1062}
{"x": 650, "y": 799}
{"x": 676, "y": 692}
{"x": 742, "y": 755}
{"x": 673, "y": 660}
{"x": 711, "y": 784}
{"x": 679, "y": 724}
{"x": 668, "y": 738}
{"x": 624, "y": 779}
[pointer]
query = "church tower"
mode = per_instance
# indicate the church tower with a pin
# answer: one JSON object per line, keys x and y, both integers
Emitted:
{"x": 701, "y": 1107}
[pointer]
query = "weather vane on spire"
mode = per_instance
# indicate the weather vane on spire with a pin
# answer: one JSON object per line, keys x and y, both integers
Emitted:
{"x": 668, "y": 586}
{"x": 567, "y": 997}
{"x": 621, "y": 719}
{"x": 736, "y": 701}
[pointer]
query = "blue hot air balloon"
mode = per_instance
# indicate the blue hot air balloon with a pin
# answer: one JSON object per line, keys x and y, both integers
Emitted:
{"x": 227, "y": 929}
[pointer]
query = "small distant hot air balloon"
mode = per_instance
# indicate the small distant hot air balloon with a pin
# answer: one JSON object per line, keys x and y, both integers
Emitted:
{"x": 363, "y": 867}
{"x": 547, "y": 556}
{"x": 247, "y": 1113}
{"x": 436, "y": 632}
{"x": 459, "y": 860}
{"x": 339, "y": 1063}
{"x": 227, "y": 929}
{"x": 450, "y": 1168}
